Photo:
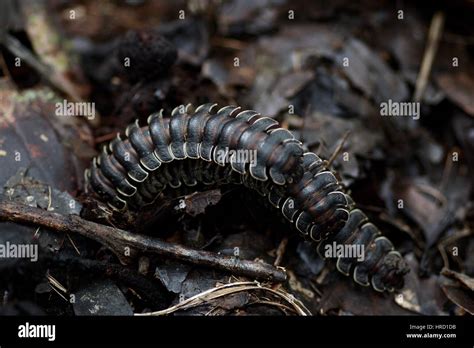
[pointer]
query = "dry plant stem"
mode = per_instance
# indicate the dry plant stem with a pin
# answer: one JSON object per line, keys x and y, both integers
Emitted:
{"x": 434, "y": 35}
{"x": 209, "y": 295}
{"x": 55, "y": 79}
{"x": 338, "y": 149}
{"x": 280, "y": 252}
{"x": 127, "y": 245}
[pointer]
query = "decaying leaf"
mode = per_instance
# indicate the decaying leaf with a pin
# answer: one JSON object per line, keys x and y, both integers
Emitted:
{"x": 459, "y": 288}
{"x": 197, "y": 203}
{"x": 460, "y": 89}
{"x": 101, "y": 298}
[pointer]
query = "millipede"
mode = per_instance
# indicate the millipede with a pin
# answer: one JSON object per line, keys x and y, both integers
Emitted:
{"x": 183, "y": 151}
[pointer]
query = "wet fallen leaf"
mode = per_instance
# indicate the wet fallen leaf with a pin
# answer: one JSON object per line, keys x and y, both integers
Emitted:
{"x": 101, "y": 298}
{"x": 247, "y": 17}
{"x": 368, "y": 72}
{"x": 172, "y": 275}
{"x": 25, "y": 119}
{"x": 459, "y": 288}
{"x": 459, "y": 87}
{"x": 340, "y": 293}
{"x": 420, "y": 295}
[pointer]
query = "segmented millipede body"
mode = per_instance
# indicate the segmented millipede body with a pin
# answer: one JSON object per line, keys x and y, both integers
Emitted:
{"x": 186, "y": 150}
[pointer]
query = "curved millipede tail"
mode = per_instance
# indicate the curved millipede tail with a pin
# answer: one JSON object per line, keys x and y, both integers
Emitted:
{"x": 208, "y": 147}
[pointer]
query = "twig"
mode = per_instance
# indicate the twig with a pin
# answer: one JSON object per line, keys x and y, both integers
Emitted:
{"x": 106, "y": 137}
{"x": 73, "y": 244}
{"x": 127, "y": 245}
{"x": 55, "y": 285}
{"x": 338, "y": 149}
{"x": 280, "y": 251}
{"x": 232, "y": 44}
{"x": 434, "y": 36}
{"x": 56, "y": 80}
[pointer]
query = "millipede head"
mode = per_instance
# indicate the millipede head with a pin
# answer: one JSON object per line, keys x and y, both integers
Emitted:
{"x": 394, "y": 269}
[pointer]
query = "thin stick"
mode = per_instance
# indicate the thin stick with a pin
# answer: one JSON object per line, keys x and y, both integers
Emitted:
{"x": 280, "y": 251}
{"x": 55, "y": 79}
{"x": 127, "y": 245}
{"x": 434, "y": 36}
{"x": 338, "y": 149}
